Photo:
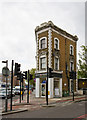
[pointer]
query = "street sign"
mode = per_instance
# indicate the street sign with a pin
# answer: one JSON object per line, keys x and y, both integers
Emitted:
{"x": 5, "y": 71}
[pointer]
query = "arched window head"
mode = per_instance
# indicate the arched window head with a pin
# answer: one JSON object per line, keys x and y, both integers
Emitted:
{"x": 43, "y": 43}
{"x": 56, "y": 43}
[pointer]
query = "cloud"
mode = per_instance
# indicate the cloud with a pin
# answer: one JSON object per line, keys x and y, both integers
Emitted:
{"x": 18, "y": 22}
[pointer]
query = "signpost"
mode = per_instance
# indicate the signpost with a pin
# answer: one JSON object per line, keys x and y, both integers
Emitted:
{"x": 11, "y": 84}
{"x": 6, "y": 72}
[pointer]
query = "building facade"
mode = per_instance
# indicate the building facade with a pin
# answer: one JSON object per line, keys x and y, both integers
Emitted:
{"x": 56, "y": 49}
{"x": 3, "y": 80}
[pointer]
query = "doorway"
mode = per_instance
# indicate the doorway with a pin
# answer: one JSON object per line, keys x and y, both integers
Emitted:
{"x": 56, "y": 88}
{"x": 43, "y": 89}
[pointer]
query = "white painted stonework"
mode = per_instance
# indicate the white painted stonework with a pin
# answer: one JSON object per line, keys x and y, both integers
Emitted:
{"x": 50, "y": 87}
{"x": 37, "y": 87}
{"x": 60, "y": 87}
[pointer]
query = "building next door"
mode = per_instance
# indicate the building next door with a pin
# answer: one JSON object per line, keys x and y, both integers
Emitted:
{"x": 43, "y": 89}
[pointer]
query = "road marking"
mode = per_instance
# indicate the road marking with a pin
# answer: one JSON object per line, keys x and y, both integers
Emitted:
{"x": 82, "y": 116}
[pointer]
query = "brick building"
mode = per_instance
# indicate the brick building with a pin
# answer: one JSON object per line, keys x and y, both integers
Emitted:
{"x": 57, "y": 48}
{"x": 3, "y": 80}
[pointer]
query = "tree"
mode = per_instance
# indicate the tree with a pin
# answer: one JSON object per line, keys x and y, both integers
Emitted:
{"x": 32, "y": 71}
{"x": 82, "y": 63}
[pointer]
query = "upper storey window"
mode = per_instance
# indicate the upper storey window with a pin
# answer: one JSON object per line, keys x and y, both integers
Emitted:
{"x": 71, "y": 50}
{"x": 56, "y": 43}
{"x": 43, "y": 43}
{"x": 56, "y": 63}
{"x": 43, "y": 63}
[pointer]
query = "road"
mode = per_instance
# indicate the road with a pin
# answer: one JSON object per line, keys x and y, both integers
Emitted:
{"x": 15, "y": 99}
{"x": 61, "y": 110}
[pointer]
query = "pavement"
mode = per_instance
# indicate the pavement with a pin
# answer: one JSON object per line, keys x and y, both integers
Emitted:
{"x": 38, "y": 103}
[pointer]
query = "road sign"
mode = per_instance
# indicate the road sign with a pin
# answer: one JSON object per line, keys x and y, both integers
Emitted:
{"x": 5, "y": 71}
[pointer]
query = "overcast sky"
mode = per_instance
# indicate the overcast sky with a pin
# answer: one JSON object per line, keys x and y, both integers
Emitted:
{"x": 19, "y": 18}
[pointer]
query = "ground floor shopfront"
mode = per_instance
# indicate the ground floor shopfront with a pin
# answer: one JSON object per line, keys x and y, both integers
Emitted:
{"x": 54, "y": 87}
{"x": 57, "y": 86}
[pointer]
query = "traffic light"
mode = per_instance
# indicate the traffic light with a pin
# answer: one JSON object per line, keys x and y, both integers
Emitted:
{"x": 25, "y": 75}
{"x": 17, "y": 69}
{"x": 31, "y": 76}
{"x": 50, "y": 72}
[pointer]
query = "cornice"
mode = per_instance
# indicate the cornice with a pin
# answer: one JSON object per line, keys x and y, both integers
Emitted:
{"x": 50, "y": 24}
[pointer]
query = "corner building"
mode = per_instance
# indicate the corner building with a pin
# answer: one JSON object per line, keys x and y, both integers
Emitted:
{"x": 57, "y": 49}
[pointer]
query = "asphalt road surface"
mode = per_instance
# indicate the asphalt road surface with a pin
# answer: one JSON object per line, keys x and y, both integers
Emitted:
{"x": 62, "y": 110}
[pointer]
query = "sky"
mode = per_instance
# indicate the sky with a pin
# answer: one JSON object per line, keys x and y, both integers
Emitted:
{"x": 19, "y": 18}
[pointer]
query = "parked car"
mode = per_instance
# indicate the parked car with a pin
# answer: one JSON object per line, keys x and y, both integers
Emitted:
{"x": 13, "y": 92}
{"x": 3, "y": 93}
{"x": 17, "y": 90}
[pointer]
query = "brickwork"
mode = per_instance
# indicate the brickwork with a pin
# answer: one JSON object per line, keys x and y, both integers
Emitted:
{"x": 65, "y": 40}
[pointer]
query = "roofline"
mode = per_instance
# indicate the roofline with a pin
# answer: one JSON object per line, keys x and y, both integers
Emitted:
{"x": 50, "y": 24}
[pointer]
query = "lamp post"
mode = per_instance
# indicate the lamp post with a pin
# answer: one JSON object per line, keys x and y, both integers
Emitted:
{"x": 6, "y": 74}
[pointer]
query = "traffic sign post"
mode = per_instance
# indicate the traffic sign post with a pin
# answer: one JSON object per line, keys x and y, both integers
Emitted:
{"x": 20, "y": 86}
{"x": 11, "y": 84}
{"x": 28, "y": 87}
{"x": 6, "y": 72}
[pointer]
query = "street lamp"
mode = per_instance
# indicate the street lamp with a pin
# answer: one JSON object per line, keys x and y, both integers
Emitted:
{"x": 5, "y": 70}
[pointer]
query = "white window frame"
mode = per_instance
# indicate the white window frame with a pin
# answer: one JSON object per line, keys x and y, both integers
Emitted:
{"x": 58, "y": 62}
{"x": 72, "y": 50}
{"x": 45, "y": 42}
{"x": 58, "y": 43}
{"x": 70, "y": 65}
{"x": 43, "y": 56}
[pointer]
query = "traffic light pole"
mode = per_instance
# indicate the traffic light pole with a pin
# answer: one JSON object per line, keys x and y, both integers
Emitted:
{"x": 11, "y": 84}
{"x": 6, "y": 99}
{"x": 47, "y": 82}
{"x": 28, "y": 88}
{"x": 73, "y": 86}
{"x": 20, "y": 86}
{"x": 73, "y": 89}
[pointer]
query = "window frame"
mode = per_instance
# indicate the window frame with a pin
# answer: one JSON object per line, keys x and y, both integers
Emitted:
{"x": 55, "y": 41}
{"x": 72, "y": 66}
{"x": 56, "y": 57}
{"x": 40, "y": 66}
{"x": 72, "y": 50}
{"x": 45, "y": 38}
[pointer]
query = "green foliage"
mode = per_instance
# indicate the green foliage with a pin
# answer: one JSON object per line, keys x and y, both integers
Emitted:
{"x": 32, "y": 71}
{"x": 82, "y": 63}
